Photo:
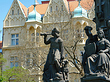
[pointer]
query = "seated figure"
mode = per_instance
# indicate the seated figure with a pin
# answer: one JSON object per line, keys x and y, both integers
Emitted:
{"x": 92, "y": 39}
{"x": 98, "y": 61}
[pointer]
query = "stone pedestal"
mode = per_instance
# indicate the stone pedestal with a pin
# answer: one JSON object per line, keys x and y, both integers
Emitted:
{"x": 58, "y": 81}
{"x": 95, "y": 78}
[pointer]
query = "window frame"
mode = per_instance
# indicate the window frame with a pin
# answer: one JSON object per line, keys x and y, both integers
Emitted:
{"x": 15, "y": 38}
{"x": 13, "y": 61}
{"x": 51, "y": 9}
{"x": 18, "y": 11}
{"x": 12, "y": 12}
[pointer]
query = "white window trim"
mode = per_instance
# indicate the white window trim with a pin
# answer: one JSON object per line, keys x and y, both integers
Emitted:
{"x": 14, "y": 61}
{"x": 15, "y": 39}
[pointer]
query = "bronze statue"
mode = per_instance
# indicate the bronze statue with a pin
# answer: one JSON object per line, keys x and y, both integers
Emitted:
{"x": 98, "y": 61}
{"x": 53, "y": 69}
{"x": 90, "y": 43}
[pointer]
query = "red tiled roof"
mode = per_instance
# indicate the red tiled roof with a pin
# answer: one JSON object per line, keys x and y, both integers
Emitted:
{"x": 41, "y": 8}
{"x": 73, "y": 5}
{"x": 86, "y": 4}
{"x": 24, "y": 8}
{"x": 0, "y": 44}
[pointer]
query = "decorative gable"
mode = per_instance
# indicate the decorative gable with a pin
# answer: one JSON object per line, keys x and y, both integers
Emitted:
{"x": 57, "y": 11}
{"x": 16, "y": 15}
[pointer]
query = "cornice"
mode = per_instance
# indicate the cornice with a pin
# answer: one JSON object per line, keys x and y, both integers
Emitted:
{"x": 16, "y": 26}
{"x": 12, "y": 47}
{"x": 55, "y": 22}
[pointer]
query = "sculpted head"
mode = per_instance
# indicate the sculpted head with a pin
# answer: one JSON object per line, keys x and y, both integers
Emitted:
{"x": 88, "y": 31}
{"x": 100, "y": 33}
{"x": 55, "y": 32}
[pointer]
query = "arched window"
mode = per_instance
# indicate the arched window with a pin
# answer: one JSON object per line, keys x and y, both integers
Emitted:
{"x": 32, "y": 37}
{"x": 37, "y": 37}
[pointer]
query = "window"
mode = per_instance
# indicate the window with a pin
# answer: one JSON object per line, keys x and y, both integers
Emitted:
{"x": 15, "y": 39}
{"x": 56, "y": 8}
{"x": 12, "y": 12}
{"x": 37, "y": 37}
{"x": 33, "y": 37}
{"x": 18, "y": 11}
{"x": 28, "y": 60}
{"x": 50, "y": 9}
{"x": 62, "y": 7}
{"x": 14, "y": 61}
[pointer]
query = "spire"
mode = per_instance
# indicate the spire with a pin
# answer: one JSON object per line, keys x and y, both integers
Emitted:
{"x": 79, "y": 11}
{"x": 79, "y": 3}
{"x": 34, "y": 15}
{"x": 36, "y": 2}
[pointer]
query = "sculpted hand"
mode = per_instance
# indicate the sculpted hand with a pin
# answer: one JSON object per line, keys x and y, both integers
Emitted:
{"x": 45, "y": 35}
{"x": 101, "y": 51}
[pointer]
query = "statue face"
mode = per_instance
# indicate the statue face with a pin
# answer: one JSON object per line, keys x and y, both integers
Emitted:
{"x": 100, "y": 34}
{"x": 53, "y": 33}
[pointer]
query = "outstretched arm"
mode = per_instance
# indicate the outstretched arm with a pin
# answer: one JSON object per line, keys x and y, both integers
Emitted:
{"x": 45, "y": 40}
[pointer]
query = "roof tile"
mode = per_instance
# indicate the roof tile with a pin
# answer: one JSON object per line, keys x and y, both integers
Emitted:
{"x": 86, "y": 4}
{"x": 24, "y": 8}
{"x": 41, "y": 8}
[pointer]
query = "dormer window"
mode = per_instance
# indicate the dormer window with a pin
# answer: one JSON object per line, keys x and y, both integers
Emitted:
{"x": 50, "y": 9}
{"x": 12, "y": 12}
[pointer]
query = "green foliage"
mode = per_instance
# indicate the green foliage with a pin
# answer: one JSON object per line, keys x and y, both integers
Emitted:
{"x": 2, "y": 60}
{"x": 17, "y": 74}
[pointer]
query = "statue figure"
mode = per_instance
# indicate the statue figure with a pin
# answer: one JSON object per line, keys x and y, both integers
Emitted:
{"x": 53, "y": 69}
{"x": 89, "y": 43}
{"x": 103, "y": 47}
{"x": 98, "y": 61}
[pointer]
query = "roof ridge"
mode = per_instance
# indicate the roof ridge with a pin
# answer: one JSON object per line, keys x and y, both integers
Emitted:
{"x": 24, "y": 8}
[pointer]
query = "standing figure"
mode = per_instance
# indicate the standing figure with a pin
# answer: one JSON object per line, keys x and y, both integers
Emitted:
{"x": 52, "y": 68}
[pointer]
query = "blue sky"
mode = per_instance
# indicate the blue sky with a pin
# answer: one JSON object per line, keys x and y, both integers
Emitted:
{"x": 5, "y": 6}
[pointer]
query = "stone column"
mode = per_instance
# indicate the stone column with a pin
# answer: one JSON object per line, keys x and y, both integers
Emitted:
{"x": 35, "y": 37}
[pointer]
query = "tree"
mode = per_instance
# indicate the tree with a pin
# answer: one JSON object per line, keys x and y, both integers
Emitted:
{"x": 2, "y": 61}
{"x": 73, "y": 57}
{"x": 17, "y": 74}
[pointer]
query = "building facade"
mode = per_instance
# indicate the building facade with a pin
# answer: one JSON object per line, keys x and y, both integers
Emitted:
{"x": 22, "y": 44}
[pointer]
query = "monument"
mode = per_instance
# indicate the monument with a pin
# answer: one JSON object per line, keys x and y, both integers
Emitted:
{"x": 96, "y": 58}
{"x": 55, "y": 68}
